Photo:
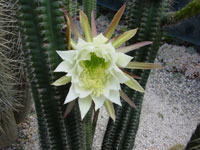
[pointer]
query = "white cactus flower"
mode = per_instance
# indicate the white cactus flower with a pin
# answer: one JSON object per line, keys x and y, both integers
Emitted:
{"x": 94, "y": 71}
{"x": 95, "y": 66}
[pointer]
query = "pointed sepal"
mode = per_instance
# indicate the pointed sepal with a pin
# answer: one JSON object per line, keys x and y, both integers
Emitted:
{"x": 141, "y": 65}
{"x": 73, "y": 44}
{"x": 109, "y": 32}
{"x": 133, "y": 84}
{"x": 127, "y": 99}
{"x": 62, "y": 81}
{"x": 68, "y": 34}
{"x": 130, "y": 74}
{"x": 93, "y": 23}
{"x": 124, "y": 37}
{"x": 69, "y": 108}
{"x": 72, "y": 24}
{"x": 133, "y": 47}
{"x": 86, "y": 26}
{"x": 110, "y": 109}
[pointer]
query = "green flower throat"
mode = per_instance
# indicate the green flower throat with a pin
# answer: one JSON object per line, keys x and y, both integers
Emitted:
{"x": 93, "y": 75}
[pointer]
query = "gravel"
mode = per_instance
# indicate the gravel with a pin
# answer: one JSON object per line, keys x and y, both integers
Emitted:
{"x": 170, "y": 109}
{"x": 28, "y": 134}
{"x": 171, "y": 106}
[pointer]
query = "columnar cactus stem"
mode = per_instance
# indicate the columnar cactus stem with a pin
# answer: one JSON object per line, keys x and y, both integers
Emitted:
{"x": 147, "y": 16}
{"x": 89, "y": 5}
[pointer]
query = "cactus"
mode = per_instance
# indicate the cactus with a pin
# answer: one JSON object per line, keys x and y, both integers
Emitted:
{"x": 15, "y": 101}
{"x": 194, "y": 143}
{"x": 88, "y": 6}
{"x": 147, "y": 16}
{"x": 40, "y": 23}
{"x": 71, "y": 6}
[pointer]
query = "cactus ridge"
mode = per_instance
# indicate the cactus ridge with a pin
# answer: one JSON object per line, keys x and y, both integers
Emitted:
{"x": 147, "y": 16}
{"x": 40, "y": 24}
{"x": 27, "y": 31}
{"x": 88, "y": 6}
{"x": 75, "y": 129}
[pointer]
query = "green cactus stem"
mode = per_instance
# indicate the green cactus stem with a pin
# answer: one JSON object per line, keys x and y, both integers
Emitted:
{"x": 147, "y": 16}
{"x": 190, "y": 10}
{"x": 88, "y": 6}
{"x": 41, "y": 23}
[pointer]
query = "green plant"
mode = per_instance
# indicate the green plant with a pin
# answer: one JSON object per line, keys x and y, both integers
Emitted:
{"x": 147, "y": 16}
{"x": 71, "y": 6}
{"x": 15, "y": 101}
{"x": 40, "y": 25}
{"x": 88, "y": 6}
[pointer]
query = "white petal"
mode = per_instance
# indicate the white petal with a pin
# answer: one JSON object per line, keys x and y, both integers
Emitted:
{"x": 100, "y": 39}
{"x": 114, "y": 97}
{"x": 99, "y": 101}
{"x": 106, "y": 91}
{"x": 113, "y": 83}
{"x": 64, "y": 66}
{"x": 118, "y": 74}
{"x": 123, "y": 59}
{"x": 81, "y": 43}
{"x": 84, "y": 105}
{"x": 67, "y": 55}
{"x": 82, "y": 92}
{"x": 71, "y": 95}
{"x": 75, "y": 73}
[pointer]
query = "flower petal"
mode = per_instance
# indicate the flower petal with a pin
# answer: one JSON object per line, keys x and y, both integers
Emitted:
{"x": 67, "y": 55}
{"x": 110, "y": 109}
{"x": 84, "y": 105}
{"x": 113, "y": 83}
{"x": 62, "y": 81}
{"x": 99, "y": 101}
{"x": 72, "y": 95}
{"x": 81, "y": 43}
{"x": 114, "y": 97}
{"x": 123, "y": 59}
{"x": 64, "y": 66}
{"x": 119, "y": 75}
{"x": 100, "y": 39}
{"x": 82, "y": 92}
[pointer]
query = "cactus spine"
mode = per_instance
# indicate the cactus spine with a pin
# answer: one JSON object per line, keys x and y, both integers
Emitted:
{"x": 194, "y": 143}
{"x": 147, "y": 16}
{"x": 15, "y": 102}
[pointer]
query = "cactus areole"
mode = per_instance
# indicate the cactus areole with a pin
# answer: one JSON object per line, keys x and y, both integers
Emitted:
{"x": 94, "y": 65}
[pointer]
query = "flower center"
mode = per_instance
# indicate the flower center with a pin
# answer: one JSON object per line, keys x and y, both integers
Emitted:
{"x": 93, "y": 75}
